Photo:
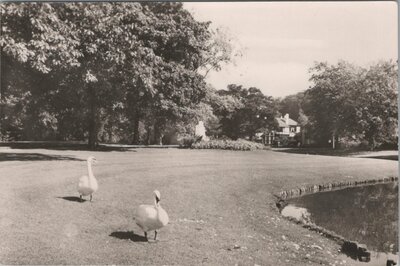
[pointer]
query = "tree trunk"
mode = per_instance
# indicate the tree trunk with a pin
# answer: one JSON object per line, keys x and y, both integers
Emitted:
{"x": 110, "y": 135}
{"x": 135, "y": 139}
{"x": 158, "y": 135}
{"x": 155, "y": 134}
{"x": 373, "y": 143}
{"x": 3, "y": 86}
{"x": 333, "y": 141}
{"x": 93, "y": 141}
{"x": 2, "y": 115}
{"x": 134, "y": 102}
{"x": 148, "y": 134}
{"x": 303, "y": 136}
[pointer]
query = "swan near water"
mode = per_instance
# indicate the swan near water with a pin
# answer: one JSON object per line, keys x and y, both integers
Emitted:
{"x": 151, "y": 217}
{"x": 88, "y": 184}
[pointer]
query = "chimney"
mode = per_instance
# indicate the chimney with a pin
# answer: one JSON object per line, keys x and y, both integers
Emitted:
{"x": 287, "y": 119}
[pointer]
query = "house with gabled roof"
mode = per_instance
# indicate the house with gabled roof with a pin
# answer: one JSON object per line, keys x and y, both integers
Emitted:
{"x": 287, "y": 130}
{"x": 287, "y": 126}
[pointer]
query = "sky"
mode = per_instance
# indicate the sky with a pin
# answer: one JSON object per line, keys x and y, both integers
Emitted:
{"x": 282, "y": 40}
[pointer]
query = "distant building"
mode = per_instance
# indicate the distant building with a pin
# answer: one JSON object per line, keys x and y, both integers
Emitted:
{"x": 287, "y": 126}
{"x": 285, "y": 135}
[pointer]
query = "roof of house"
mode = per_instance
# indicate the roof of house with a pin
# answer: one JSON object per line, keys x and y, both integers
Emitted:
{"x": 282, "y": 122}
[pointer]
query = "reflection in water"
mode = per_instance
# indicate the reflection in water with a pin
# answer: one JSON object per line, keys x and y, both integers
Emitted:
{"x": 367, "y": 214}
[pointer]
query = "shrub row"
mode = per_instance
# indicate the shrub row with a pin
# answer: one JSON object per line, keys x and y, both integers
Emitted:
{"x": 237, "y": 145}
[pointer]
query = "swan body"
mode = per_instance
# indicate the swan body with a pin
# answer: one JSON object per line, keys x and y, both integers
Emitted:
{"x": 88, "y": 184}
{"x": 151, "y": 217}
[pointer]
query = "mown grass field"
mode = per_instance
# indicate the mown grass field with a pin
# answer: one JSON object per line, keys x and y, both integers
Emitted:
{"x": 220, "y": 204}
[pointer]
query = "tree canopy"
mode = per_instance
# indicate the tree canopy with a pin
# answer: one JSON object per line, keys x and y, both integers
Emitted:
{"x": 353, "y": 102}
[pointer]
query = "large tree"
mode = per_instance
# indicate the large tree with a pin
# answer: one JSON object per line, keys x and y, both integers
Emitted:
{"x": 353, "y": 102}
{"x": 331, "y": 105}
{"x": 185, "y": 50}
{"x": 35, "y": 44}
{"x": 376, "y": 104}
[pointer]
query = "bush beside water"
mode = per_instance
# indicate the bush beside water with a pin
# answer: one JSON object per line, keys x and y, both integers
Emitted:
{"x": 223, "y": 144}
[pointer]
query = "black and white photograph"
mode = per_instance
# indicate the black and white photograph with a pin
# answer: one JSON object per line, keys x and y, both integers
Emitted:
{"x": 199, "y": 133}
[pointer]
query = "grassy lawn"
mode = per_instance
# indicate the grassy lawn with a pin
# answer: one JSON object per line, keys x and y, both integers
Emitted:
{"x": 220, "y": 204}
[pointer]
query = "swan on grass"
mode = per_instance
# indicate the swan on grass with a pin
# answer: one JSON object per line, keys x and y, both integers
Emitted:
{"x": 151, "y": 217}
{"x": 88, "y": 183}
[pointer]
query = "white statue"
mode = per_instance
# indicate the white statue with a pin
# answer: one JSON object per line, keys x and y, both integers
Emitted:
{"x": 200, "y": 131}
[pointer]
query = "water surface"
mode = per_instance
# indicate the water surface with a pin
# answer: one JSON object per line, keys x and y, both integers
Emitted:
{"x": 366, "y": 214}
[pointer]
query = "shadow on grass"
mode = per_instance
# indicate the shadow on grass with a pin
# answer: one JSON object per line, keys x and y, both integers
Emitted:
{"x": 129, "y": 235}
{"x": 34, "y": 157}
{"x": 62, "y": 146}
{"x": 316, "y": 151}
{"x": 74, "y": 199}
{"x": 384, "y": 157}
{"x": 338, "y": 152}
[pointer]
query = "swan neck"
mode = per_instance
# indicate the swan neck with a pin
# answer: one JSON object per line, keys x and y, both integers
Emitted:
{"x": 156, "y": 204}
{"x": 90, "y": 171}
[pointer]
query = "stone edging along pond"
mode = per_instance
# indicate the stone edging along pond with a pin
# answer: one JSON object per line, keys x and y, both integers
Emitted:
{"x": 347, "y": 246}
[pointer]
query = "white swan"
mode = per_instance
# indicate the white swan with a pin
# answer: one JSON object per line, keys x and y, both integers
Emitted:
{"x": 88, "y": 184}
{"x": 151, "y": 217}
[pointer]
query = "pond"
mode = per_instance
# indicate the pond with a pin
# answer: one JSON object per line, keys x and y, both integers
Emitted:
{"x": 366, "y": 214}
